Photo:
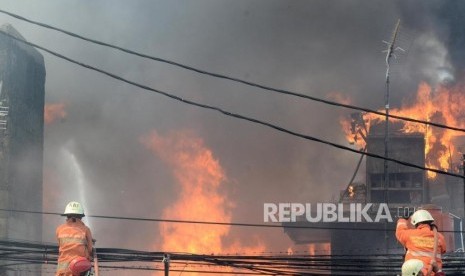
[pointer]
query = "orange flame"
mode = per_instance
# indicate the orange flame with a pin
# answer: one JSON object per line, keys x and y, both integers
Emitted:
{"x": 199, "y": 176}
{"x": 442, "y": 105}
{"x": 323, "y": 248}
{"x": 53, "y": 112}
{"x": 351, "y": 191}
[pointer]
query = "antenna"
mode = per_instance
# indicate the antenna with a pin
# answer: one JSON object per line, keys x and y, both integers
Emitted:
{"x": 389, "y": 53}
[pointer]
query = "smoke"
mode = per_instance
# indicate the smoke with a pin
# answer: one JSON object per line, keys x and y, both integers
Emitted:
{"x": 454, "y": 35}
{"x": 312, "y": 47}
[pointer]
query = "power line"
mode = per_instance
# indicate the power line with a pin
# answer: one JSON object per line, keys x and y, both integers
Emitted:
{"x": 180, "y": 270}
{"x": 51, "y": 248}
{"x": 234, "y": 79}
{"x": 231, "y": 114}
{"x": 216, "y": 223}
{"x": 275, "y": 264}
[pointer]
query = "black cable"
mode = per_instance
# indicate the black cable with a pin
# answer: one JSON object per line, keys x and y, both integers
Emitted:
{"x": 278, "y": 264}
{"x": 180, "y": 270}
{"x": 52, "y": 249}
{"x": 231, "y": 114}
{"x": 190, "y": 68}
{"x": 218, "y": 223}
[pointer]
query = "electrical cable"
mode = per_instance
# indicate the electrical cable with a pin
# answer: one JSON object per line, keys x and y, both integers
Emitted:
{"x": 231, "y": 114}
{"x": 272, "y": 265}
{"x": 216, "y": 75}
{"x": 218, "y": 223}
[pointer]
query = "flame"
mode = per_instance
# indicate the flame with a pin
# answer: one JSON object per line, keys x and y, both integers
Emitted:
{"x": 290, "y": 251}
{"x": 53, "y": 112}
{"x": 442, "y": 105}
{"x": 321, "y": 248}
{"x": 351, "y": 191}
{"x": 199, "y": 176}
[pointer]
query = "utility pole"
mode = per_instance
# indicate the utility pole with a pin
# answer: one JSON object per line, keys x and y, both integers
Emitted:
{"x": 389, "y": 53}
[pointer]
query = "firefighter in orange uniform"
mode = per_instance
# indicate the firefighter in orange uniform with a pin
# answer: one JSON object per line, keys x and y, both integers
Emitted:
{"x": 420, "y": 242}
{"x": 74, "y": 239}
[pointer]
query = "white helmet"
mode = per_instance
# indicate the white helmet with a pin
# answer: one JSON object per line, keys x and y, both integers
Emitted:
{"x": 421, "y": 216}
{"x": 74, "y": 208}
{"x": 412, "y": 267}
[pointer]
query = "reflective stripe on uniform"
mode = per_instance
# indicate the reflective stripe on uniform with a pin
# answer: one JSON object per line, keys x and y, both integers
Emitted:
{"x": 62, "y": 266}
{"x": 72, "y": 240}
{"x": 417, "y": 253}
{"x": 401, "y": 223}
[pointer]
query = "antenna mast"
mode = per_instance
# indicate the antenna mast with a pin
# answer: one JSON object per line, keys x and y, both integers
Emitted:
{"x": 389, "y": 53}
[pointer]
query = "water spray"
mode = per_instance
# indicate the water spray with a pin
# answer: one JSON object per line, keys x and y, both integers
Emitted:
{"x": 79, "y": 178}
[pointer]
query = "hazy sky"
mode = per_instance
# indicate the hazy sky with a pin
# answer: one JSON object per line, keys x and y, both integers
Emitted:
{"x": 318, "y": 48}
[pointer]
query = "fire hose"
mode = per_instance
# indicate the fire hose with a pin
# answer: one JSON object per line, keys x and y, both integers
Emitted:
{"x": 433, "y": 264}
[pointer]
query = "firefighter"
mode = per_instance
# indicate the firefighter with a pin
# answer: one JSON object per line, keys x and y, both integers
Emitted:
{"x": 422, "y": 242}
{"x": 74, "y": 241}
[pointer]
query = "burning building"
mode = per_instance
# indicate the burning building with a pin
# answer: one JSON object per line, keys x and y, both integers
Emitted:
{"x": 408, "y": 189}
{"x": 22, "y": 80}
{"x": 406, "y": 184}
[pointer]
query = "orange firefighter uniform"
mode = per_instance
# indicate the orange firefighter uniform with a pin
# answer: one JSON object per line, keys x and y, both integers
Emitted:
{"x": 419, "y": 243}
{"x": 74, "y": 239}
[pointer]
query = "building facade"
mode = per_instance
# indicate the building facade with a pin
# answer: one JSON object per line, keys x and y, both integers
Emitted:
{"x": 22, "y": 93}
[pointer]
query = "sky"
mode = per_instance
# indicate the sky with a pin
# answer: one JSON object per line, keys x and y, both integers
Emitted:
{"x": 326, "y": 49}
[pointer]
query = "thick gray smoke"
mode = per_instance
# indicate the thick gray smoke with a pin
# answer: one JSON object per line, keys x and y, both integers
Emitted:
{"x": 316, "y": 48}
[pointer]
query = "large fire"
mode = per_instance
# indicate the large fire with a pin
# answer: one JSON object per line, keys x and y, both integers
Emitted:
{"x": 443, "y": 105}
{"x": 199, "y": 176}
{"x": 53, "y": 112}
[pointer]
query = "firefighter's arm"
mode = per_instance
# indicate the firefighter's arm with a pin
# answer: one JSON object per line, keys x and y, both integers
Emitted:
{"x": 401, "y": 230}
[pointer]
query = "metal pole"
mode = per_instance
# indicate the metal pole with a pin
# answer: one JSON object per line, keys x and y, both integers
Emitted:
{"x": 390, "y": 52}
{"x": 461, "y": 234}
{"x": 94, "y": 253}
{"x": 463, "y": 168}
{"x": 462, "y": 248}
{"x": 166, "y": 262}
